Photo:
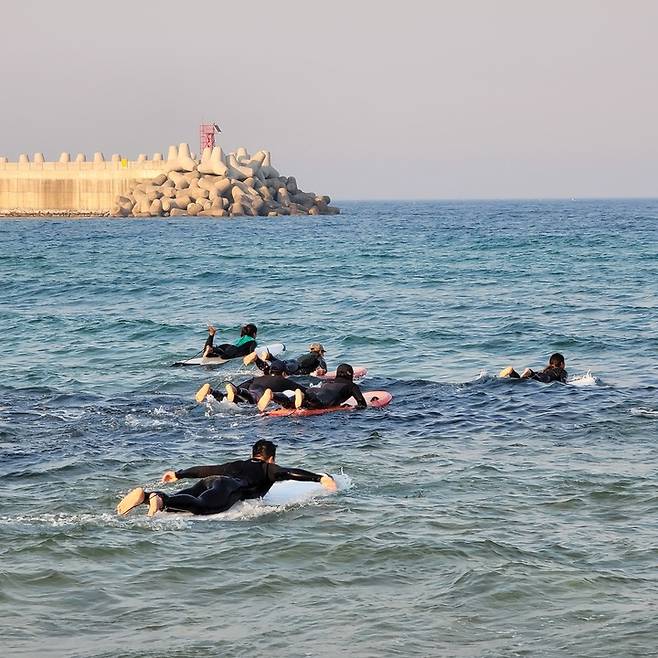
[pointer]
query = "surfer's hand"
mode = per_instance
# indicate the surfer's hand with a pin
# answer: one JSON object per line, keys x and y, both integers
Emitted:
{"x": 169, "y": 476}
{"x": 328, "y": 483}
{"x": 320, "y": 372}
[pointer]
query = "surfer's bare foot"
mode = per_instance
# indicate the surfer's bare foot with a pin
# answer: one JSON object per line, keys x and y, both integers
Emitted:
{"x": 265, "y": 399}
{"x": 130, "y": 501}
{"x": 156, "y": 504}
{"x": 250, "y": 358}
{"x": 211, "y": 330}
{"x": 299, "y": 398}
{"x": 202, "y": 393}
{"x": 508, "y": 372}
{"x": 231, "y": 392}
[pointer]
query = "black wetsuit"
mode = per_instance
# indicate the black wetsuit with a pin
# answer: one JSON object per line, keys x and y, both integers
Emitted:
{"x": 332, "y": 393}
{"x": 228, "y": 351}
{"x": 252, "y": 389}
{"x": 549, "y": 374}
{"x": 302, "y": 365}
{"x": 223, "y": 485}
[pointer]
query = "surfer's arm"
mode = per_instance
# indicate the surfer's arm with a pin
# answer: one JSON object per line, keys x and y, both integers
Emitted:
{"x": 197, "y": 472}
{"x": 322, "y": 367}
{"x": 280, "y": 473}
{"x": 358, "y": 396}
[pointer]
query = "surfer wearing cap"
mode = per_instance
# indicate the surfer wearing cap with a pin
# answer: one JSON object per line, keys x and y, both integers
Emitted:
{"x": 222, "y": 485}
{"x": 331, "y": 393}
{"x": 553, "y": 372}
{"x": 242, "y": 346}
{"x": 251, "y": 390}
{"x": 307, "y": 364}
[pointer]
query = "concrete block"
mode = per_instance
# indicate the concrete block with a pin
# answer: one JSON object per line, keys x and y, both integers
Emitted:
{"x": 194, "y": 209}
{"x": 185, "y": 161}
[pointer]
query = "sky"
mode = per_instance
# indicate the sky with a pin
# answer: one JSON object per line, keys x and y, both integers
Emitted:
{"x": 357, "y": 99}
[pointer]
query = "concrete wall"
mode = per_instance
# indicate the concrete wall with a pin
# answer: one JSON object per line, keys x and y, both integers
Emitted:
{"x": 80, "y": 187}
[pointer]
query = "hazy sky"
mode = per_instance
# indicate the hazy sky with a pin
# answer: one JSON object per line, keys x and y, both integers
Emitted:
{"x": 357, "y": 99}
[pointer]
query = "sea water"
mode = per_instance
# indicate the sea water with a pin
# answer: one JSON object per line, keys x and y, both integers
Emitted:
{"x": 476, "y": 517}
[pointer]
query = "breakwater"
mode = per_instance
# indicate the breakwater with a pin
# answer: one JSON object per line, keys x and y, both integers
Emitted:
{"x": 216, "y": 184}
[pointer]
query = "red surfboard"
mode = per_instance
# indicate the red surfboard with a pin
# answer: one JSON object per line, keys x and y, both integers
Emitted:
{"x": 373, "y": 398}
{"x": 359, "y": 373}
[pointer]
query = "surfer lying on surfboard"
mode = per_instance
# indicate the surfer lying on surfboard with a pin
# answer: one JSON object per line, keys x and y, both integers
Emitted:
{"x": 305, "y": 364}
{"x": 243, "y": 346}
{"x": 331, "y": 393}
{"x": 553, "y": 372}
{"x": 252, "y": 390}
{"x": 222, "y": 485}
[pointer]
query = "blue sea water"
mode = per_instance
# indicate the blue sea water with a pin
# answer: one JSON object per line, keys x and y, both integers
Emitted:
{"x": 476, "y": 517}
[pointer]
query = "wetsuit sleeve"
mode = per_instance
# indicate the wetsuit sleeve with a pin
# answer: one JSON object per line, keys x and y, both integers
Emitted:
{"x": 203, "y": 471}
{"x": 358, "y": 396}
{"x": 550, "y": 375}
{"x": 280, "y": 473}
{"x": 321, "y": 364}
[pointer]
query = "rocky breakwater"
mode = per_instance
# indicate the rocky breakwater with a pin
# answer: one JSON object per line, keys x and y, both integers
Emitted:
{"x": 219, "y": 185}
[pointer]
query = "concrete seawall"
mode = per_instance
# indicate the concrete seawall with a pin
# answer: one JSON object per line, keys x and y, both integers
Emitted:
{"x": 77, "y": 187}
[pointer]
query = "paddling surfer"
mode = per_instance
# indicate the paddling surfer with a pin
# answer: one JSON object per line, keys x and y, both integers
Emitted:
{"x": 553, "y": 372}
{"x": 251, "y": 390}
{"x": 242, "y": 346}
{"x": 222, "y": 485}
{"x": 331, "y": 393}
{"x": 306, "y": 364}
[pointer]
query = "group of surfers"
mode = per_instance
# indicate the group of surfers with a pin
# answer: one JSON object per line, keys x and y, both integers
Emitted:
{"x": 275, "y": 381}
{"x": 220, "y": 486}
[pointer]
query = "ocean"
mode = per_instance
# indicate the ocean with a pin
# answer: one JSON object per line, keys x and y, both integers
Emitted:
{"x": 475, "y": 516}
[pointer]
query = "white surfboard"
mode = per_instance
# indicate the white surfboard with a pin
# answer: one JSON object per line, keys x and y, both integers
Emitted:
{"x": 275, "y": 349}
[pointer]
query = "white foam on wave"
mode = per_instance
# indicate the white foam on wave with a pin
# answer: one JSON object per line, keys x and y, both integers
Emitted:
{"x": 215, "y": 407}
{"x": 588, "y": 379}
{"x": 643, "y": 412}
{"x": 157, "y": 417}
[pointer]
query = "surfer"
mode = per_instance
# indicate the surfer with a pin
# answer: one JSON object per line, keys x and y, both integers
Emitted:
{"x": 243, "y": 346}
{"x": 331, "y": 393}
{"x": 222, "y": 485}
{"x": 310, "y": 363}
{"x": 553, "y": 372}
{"x": 252, "y": 390}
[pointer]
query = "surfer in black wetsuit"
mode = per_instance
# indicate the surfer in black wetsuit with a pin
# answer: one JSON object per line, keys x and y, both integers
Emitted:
{"x": 243, "y": 346}
{"x": 222, "y": 485}
{"x": 251, "y": 391}
{"x": 310, "y": 363}
{"x": 331, "y": 393}
{"x": 553, "y": 372}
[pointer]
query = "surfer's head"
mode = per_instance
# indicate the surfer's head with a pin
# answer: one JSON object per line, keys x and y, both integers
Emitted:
{"x": 277, "y": 368}
{"x": 345, "y": 371}
{"x": 264, "y": 449}
{"x": 249, "y": 330}
{"x": 556, "y": 360}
